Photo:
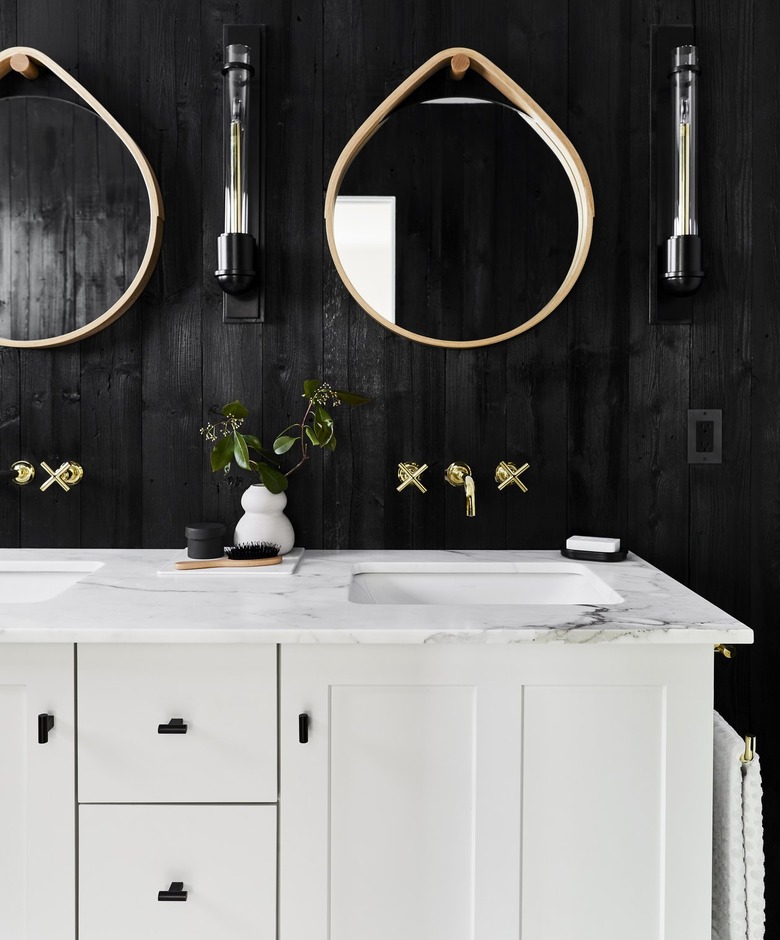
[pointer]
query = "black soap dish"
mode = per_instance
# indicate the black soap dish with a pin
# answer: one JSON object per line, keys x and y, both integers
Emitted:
{"x": 594, "y": 556}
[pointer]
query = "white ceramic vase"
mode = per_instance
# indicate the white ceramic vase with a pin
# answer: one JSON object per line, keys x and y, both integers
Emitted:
{"x": 264, "y": 519}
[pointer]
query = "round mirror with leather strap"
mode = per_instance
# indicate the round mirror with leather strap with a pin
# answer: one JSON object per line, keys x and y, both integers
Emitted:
{"x": 373, "y": 235}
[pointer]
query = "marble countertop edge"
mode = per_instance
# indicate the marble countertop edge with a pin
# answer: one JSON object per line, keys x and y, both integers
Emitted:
{"x": 124, "y": 601}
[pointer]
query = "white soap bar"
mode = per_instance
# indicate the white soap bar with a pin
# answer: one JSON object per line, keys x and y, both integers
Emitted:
{"x": 592, "y": 543}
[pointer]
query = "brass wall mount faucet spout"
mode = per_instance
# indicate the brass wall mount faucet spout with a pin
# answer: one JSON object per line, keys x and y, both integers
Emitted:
{"x": 459, "y": 474}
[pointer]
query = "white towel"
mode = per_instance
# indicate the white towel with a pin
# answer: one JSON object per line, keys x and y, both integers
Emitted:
{"x": 737, "y": 837}
{"x": 753, "y": 828}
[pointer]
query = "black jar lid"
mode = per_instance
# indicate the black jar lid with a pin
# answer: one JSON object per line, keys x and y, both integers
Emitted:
{"x": 205, "y": 530}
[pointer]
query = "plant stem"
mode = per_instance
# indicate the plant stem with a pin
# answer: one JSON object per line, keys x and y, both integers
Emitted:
{"x": 304, "y": 442}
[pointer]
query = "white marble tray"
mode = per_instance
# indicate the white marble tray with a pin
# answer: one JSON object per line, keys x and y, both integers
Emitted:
{"x": 288, "y": 565}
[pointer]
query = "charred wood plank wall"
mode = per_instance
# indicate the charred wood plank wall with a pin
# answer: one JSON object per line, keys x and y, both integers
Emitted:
{"x": 594, "y": 398}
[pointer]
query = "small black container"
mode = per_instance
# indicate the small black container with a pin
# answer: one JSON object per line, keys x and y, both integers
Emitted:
{"x": 620, "y": 555}
{"x": 205, "y": 540}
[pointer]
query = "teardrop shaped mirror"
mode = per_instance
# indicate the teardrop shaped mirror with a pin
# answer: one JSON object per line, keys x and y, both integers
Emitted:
{"x": 459, "y": 215}
{"x": 80, "y": 213}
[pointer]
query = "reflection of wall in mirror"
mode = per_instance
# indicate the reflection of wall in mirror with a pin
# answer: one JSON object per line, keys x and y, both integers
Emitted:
{"x": 364, "y": 229}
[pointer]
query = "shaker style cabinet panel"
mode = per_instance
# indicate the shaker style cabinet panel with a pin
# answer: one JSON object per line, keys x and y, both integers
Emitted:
{"x": 37, "y": 818}
{"x": 493, "y": 792}
{"x": 177, "y": 872}
{"x": 177, "y": 723}
{"x": 400, "y": 815}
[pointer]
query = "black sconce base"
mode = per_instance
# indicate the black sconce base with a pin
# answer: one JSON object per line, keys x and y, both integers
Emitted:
{"x": 682, "y": 273}
{"x": 236, "y": 259}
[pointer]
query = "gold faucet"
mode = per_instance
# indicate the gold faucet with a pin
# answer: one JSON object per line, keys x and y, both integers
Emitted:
{"x": 459, "y": 474}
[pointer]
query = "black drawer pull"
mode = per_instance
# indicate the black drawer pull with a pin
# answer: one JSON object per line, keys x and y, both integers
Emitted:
{"x": 303, "y": 728}
{"x": 45, "y": 724}
{"x": 174, "y": 726}
{"x": 174, "y": 893}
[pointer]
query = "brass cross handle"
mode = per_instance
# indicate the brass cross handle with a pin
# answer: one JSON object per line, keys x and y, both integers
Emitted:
{"x": 411, "y": 473}
{"x": 66, "y": 475}
{"x": 507, "y": 474}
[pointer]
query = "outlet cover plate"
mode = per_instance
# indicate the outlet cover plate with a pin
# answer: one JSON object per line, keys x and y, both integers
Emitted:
{"x": 710, "y": 436}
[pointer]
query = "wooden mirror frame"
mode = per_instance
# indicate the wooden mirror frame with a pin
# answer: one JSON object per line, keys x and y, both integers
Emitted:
{"x": 459, "y": 60}
{"x": 27, "y": 61}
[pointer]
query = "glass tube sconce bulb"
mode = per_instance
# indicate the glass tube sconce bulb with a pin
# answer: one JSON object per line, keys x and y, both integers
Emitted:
{"x": 682, "y": 272}
{"x": 236, "y": 246}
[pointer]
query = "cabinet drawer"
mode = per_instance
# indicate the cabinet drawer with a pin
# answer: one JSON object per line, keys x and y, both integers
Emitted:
{"x": 224, "y": 856}
{"x": 225, "y": 695}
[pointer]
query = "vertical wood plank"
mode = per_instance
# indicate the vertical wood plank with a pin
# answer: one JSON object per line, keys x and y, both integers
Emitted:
{"x": 8, "y": 25}
{"x": 721, "y": 342}
{"x": 536, "y": 361}
{"x": 50, "y": 386}
{"x": 111, "y": 442}
{"x": 657, "y": 525}
{"x": 359, "y": 42}
{"x": 292, "y": 332}
{"x": 171, "y": 309}
{"x": 10, "y": 499}
{"x": 10, "y": 495}
{"x": 599, "y": 109}
{"x": 6, "y": 222}
{"x": 764, "y": 658}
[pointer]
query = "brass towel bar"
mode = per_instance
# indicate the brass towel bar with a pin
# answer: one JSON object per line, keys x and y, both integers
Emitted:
{"x": 750, "y": 749}
{"x": 750, "y": 739}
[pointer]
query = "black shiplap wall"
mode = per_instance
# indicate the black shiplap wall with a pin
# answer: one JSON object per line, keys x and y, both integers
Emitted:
{"x": 594, "y": 398}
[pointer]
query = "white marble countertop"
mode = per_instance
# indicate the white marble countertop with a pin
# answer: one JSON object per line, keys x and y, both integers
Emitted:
{"x": 126, "y": 601}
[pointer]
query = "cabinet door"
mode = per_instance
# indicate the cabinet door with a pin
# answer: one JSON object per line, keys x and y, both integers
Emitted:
{"x": 557, "y": 792}
{"x": 37, "y": 803}
{"x": 617, "y": 793}
{"x": 401, "y": 815}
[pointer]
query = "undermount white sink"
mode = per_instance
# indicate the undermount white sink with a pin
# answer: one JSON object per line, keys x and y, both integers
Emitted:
{"x": 458, "y": 583}
{"x": 25, "y": 582}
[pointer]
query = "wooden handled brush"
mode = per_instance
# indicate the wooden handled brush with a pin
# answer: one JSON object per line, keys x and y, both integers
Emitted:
{"x": 246, "y": 555}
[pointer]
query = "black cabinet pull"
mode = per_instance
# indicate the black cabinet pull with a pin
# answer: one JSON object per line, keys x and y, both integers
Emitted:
{"x": 45, "y": 724}
{"x": 174, "y": 893}
{"x": 174, "y": 726}
{"x": 303, "y": 728}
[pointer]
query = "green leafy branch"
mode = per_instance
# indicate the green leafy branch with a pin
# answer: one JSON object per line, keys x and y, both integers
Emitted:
{"x": 315, "y": 429}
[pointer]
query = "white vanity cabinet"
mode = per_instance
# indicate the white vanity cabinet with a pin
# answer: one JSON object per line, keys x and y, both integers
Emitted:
{"x": 478, "y": 792}
{"x": 37, "y": 818}
{"x": 177, "y": 791}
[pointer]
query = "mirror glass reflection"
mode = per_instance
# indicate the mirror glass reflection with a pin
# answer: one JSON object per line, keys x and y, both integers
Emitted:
{"x": 74, "y": 217}
{"x": 456, "y": 221}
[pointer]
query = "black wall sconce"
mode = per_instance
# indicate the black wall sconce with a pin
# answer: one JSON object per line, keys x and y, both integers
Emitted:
{"x": 240, "y": 248}
{"x": 676, "y": 267}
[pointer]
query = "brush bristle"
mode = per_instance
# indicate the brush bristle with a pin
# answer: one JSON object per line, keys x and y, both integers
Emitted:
{"x": 250, "y": 550}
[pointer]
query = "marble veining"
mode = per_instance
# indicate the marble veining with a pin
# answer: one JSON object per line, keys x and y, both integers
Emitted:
{"x": 125, "y": 601}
